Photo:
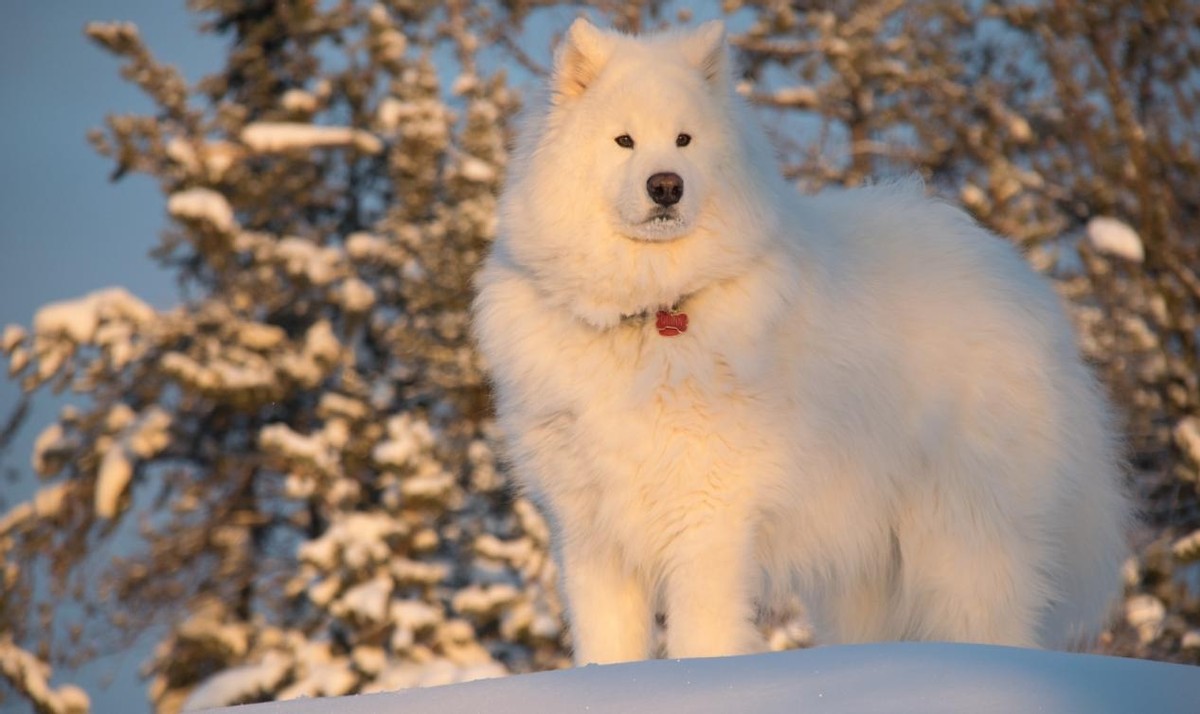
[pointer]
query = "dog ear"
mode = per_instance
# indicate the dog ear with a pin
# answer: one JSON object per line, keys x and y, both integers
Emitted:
{"x": 705, "y": 48}
{"x": 584, "y": 52}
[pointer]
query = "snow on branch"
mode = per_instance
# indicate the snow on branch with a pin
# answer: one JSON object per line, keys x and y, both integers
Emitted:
{"x": 203, "y": 205}
{"x": 273, "y": 137}
{"x": 31, "y": 676}
{"x": 78, "y": 319}
{"x": 1116, "y": 238}
{"x": 239, "y": 684}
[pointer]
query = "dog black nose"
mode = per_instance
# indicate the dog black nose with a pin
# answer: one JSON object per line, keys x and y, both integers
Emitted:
{"x": 665, "y": 189}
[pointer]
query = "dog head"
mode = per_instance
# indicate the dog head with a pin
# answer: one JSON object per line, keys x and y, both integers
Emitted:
{"x": 651, "y": 111}
{"x": 642, "y": 178}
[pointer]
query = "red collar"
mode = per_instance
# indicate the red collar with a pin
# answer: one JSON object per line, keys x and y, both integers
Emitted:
{"x": 671, "y": 322}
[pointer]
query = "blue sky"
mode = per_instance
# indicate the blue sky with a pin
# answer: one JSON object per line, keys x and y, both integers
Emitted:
{"x": 65, "y": 230}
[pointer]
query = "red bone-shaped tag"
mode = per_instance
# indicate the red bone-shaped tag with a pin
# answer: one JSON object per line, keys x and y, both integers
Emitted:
{"x": 671, "y": 323}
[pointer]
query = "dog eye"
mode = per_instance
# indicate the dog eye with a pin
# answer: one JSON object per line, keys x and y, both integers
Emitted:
{"x": 625, "y": 141}
{"x": 683, "y": 140}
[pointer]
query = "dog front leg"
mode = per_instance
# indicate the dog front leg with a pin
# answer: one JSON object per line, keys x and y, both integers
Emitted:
{"x": 610, "y": 610}
{"x": 710, "y": 596}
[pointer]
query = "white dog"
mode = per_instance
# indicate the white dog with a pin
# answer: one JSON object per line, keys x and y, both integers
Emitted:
{"x": 722, "y": 392}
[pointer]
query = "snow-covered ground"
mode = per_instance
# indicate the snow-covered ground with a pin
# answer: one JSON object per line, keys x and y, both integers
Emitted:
{"x": 898, "y": 678}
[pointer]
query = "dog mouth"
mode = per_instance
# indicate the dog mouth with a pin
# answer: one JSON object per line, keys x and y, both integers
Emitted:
{"x": 662, "y": 217}
{"x": 660, "y": 224}
{"x": 658, "y": 227}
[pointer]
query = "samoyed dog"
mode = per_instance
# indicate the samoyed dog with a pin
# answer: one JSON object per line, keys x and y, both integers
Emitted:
{"x": 725, "y": 394}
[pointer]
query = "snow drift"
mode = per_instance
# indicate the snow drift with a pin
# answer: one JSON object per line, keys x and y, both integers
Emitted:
{"x": 897, "y": 678}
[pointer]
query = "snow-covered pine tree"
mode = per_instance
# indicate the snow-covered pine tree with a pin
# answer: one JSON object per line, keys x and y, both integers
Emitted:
{"x": 1069, "y": 127}
{"x": 303, "y": 442}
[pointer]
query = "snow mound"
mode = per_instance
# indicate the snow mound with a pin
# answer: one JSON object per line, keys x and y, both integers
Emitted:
{"x": 896, "y": 678}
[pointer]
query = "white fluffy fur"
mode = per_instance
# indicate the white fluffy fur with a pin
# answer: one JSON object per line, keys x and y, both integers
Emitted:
{"x": 877, "y": 404}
